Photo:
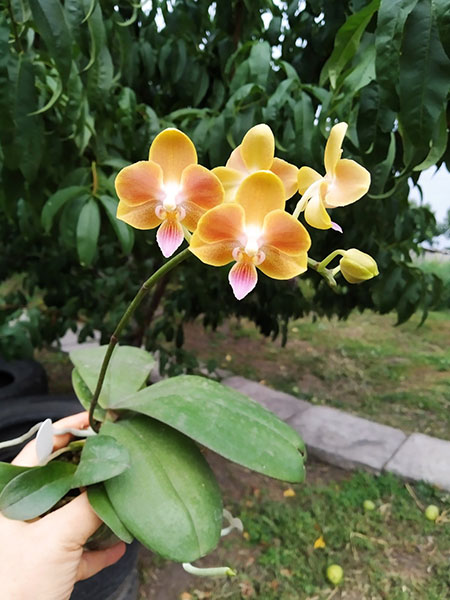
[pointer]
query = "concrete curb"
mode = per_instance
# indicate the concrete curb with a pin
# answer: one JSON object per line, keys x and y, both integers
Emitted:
{"x": 352, "y": 442}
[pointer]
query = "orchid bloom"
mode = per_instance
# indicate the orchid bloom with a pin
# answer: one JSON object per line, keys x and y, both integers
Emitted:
{"x": 169, "y": 190}
{"x": 345, "y": 182}
{"x": 254, "y": 231}
{"x": 256, "y": 153}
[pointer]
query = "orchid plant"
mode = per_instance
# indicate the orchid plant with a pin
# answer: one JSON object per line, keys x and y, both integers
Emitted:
{"x": 140, "y": 460}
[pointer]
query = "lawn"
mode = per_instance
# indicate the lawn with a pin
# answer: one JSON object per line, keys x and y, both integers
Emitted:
{"x": 392, "y": 552}
{"x": 399, "y": 376}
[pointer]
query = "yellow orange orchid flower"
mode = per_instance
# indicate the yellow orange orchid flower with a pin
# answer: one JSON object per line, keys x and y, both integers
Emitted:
{"x": 256, "y": 153}
{"x": 345, "y": 182}
{"x": 254, "y": 231}
{"x": 168, "y": 190}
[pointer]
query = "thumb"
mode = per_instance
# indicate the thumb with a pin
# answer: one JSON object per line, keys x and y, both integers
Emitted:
{"x": 75, "y": 522}
{"x": 93, "y": 562}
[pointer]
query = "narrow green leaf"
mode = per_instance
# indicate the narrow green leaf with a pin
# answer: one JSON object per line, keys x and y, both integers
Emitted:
{"x": 424, "y": 79}
{"x": 223, "y": 420}
{"x": 88, "y": 229}
{"x": 8, "y": 472}
{"x": 438, "y": 143}
{"x": 56, "y": 202}
{"x": 34, "y": 492}
{"x": 124, "y": 232}
{"x": 84, "y": 395}
{"x": 53, "y": 99}
{"x": 102, "y": 505}
{"x": 102, "y": 458}
{"x": 97, "y": 33}
{"x": 347, "y": 42}
{"x": 441, "y": 9}
{"x": 128, "y": 370}
{"x": 51, "y": 24}
{"x": 168, "y": 498}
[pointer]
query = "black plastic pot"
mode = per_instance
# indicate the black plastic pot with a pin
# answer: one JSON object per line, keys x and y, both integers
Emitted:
{"x": 118, "y": 582}
{"x": 21, "y": 378}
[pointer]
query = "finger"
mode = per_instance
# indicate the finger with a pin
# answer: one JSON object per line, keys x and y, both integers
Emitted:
{"x": 27, "y": 457}
{"x": 93, "y": 562}
{"x": 73, "y": 523}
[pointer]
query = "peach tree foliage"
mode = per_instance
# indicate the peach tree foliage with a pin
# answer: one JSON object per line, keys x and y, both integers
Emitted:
{"x": 85, "y": 85}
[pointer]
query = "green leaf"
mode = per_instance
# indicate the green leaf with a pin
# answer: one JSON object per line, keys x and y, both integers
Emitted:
{"x": 441, "y": 9}
{"x": 102, "y": 505}
{"x": 128, "y": 370}
{"x": 259, "y": 62}
{"x": 8, "y": 472}
{"x": 97, "y": 33}
{"x": 168, "y": 498}
{"x": 56, "y": 202}
{"x": 124, "y": 232}
{"x": 102, "y": 458}
{"x": 84, "y": 395}
{"x": 391, "y": 20}
{"x": 225, "y": 421}
{"x": 88, "y": 229}
{"x": 424, "y": 79}
{"x": 34, "y": 492}
{"x": 438, "y": 143}
{"x": 51, "y": 24}
{"x": 53, "y": 99}
{"x": 347, "y": 42}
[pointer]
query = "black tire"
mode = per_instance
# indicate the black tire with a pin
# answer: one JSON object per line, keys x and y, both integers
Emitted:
{"x": 117, "y": 582}
{"x": 21, "y": 378}
{"x": 18, "y": 415}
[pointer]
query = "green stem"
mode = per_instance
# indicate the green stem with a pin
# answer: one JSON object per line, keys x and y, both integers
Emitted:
{"x": 326, "y": 261}
{"x": 146, "y": 286}
{"x": 94, "y": 178}
{"x": 327, "y": 274}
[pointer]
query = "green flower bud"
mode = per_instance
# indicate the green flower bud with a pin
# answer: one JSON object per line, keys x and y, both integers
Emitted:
{"x": 356, "y": 266}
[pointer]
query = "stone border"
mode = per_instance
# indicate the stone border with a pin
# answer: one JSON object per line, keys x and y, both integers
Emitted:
{"x": 352, "y": 442}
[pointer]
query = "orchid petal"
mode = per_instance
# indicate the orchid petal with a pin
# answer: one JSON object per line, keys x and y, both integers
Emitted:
{"x": 258, "y": 147}
{"x": 259, "y": 194}
{"x": 230, "y": 179}
{"x": 139, "y": 183}
{"x": 236, "y": 162}
{"x": 224, "y": 222}
{"x": 315, "y": 213}
{"x": 306, "y": 177}
{"x": 169, "y": 236}
{"x": 351, "y": 181}
{"x": 288, "y": 175}
{"x": 173, "y": 151}
{"x": 201, "y": 188}
{"x": 243, "y": 278}
{"x": 285, "y": 233}
{"x": 279, "y": 265}
{"x": 139, "y": 217}
{"x": 333, "y": 149}
{"x": 216, "y": 254}
{"x": 336, "y": 227}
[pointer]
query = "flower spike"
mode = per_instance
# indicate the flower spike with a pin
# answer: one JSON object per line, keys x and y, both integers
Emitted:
{"x": 345, "y": 182}
{"x": 169, "y": 190}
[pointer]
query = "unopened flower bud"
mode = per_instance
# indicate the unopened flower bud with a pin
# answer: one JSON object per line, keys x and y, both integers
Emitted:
{"x": 357, "y": 266}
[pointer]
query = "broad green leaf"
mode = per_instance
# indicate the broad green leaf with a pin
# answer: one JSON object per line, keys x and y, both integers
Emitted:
{"x": 128, "y": 370}
{"x": 424, "y": 79}
{"x": 225, "y": 421}
{"x": 56, "y": 202}
{"x": 124, "y": 232}
{"x": 438, "y": 143}
{"x": 8, "y": 472}
{"x": 102, "y": 458}
{"x": 441, "y": 9}
{"x": 391, "y": 20}
{"x": 84, "y": 395}
{"x": 34, "y": 492}
{"x": 69, "y": 220}
{"x": 88, "y": 229}
{"x": 51, "y": 25}
{"x": 168, "y": 498}
{"x": 259, "y": 62}
{"x": 102, "y": 505}
{"x": 347, "y": 42}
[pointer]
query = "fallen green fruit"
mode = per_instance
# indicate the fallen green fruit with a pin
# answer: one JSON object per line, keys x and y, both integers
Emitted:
{"x": 369, "y": 505}
{"x": 335, "y": 573}
{"x": 432, "y": 512}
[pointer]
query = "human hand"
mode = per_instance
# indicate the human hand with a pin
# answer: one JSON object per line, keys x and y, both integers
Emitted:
{"x": 43, "y": 559}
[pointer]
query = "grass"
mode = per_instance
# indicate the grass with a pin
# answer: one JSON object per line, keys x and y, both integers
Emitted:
{"x": 395, "y": 375}
{"x": 392, "y": 552}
